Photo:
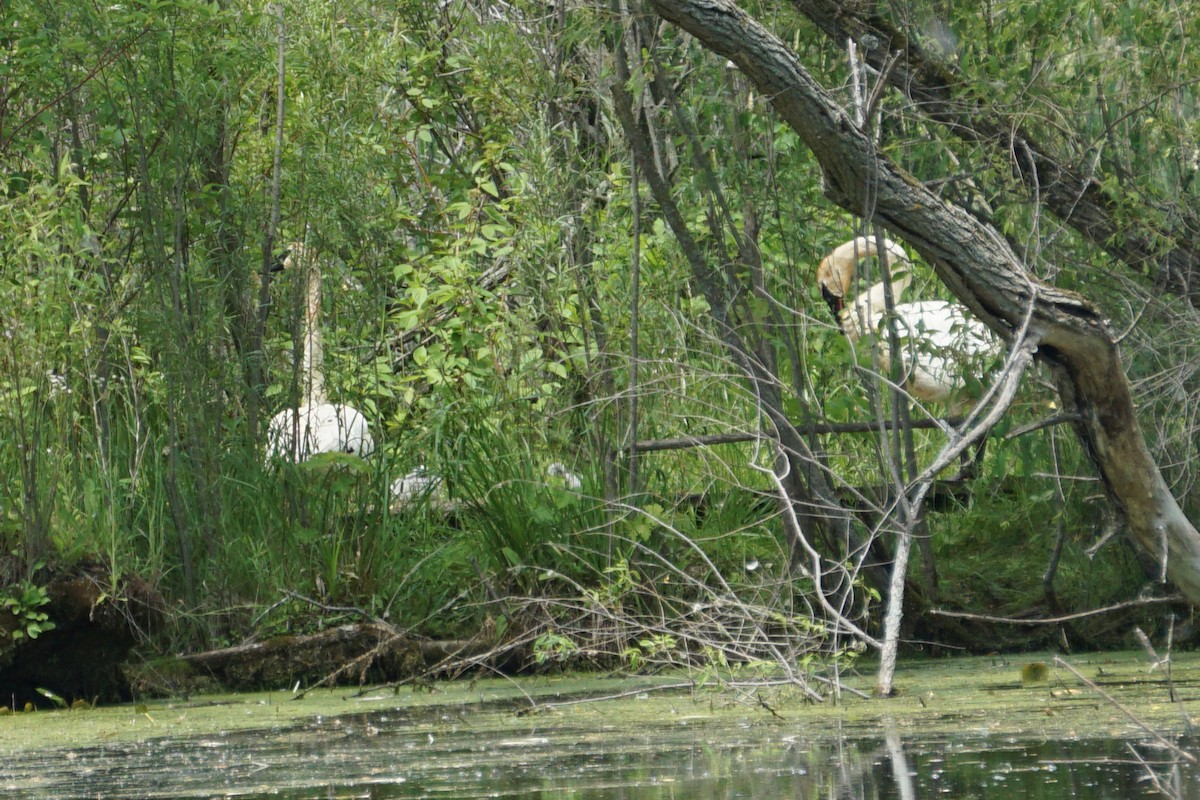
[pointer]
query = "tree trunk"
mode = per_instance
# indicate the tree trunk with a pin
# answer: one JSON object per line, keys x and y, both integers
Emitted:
{"x": 978, "y": 266}
{"x": 806, "y": 485}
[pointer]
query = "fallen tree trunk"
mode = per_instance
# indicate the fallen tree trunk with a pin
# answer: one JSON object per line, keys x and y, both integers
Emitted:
{"x": 360, "y": 652}
{"x": 978, "y": 266}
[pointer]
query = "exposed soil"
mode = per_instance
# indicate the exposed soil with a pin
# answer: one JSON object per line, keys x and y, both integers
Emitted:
{"x": 96, "y": 625}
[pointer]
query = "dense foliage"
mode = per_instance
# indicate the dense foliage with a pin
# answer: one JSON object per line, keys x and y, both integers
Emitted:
{"x": 501, "y": 293}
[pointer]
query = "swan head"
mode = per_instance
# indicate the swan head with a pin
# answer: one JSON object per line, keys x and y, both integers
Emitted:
{"x": 292, "y": 265}
{"x": 833, "y": 279}
{"x": 294, "y": 254}
{"x": 835, "y": 274}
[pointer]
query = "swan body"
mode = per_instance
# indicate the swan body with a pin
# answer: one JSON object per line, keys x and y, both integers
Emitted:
{"x": 297, "y": 434}
{"x": 316, "y": 426}
{"x": 942, "y": 344}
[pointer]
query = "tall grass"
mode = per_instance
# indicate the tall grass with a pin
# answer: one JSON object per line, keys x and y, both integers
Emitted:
{"x": 522, "y": 520}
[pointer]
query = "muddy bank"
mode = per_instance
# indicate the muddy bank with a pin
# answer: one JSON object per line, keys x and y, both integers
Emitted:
{"x": 96, "y": 624}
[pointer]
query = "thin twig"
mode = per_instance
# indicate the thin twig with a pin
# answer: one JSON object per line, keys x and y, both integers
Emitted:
{"x": 815, "y": 571}
{"x": 1165, "y": 742}
{"x": 334, "y": 609}
{"x": 1146, "y": 601}
{"x": 708, "y": 440}
{"x": 618, "y": 696}
{"x": 1057, "y": 419}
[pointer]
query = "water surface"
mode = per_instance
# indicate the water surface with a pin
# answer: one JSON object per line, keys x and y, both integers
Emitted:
{"x": 972, "y": 736}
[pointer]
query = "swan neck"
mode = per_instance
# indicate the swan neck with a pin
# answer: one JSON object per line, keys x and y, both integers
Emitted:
{"x": 312, "y": 359}
{"x": 863, "y": 314}
{"x": 876, "y": 297}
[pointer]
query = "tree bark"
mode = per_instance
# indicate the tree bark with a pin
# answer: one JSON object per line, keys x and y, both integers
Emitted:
{"x": 978, "y": 266}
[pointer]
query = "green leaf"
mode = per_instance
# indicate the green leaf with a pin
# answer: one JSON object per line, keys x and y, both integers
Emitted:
{"x": 52, "y": 697}
{"x": 418, "y": 295}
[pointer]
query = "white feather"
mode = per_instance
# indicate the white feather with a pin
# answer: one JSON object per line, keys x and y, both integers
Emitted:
{"x": 564, "y": 476}
{"x": 409, "y": 488}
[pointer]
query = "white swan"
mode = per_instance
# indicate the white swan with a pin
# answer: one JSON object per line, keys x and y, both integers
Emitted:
{"x": 942, "y": 345}
{"x": 316, "y": 426}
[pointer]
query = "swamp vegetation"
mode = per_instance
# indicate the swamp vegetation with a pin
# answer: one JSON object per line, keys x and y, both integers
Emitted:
{"x": 567, "y": 255}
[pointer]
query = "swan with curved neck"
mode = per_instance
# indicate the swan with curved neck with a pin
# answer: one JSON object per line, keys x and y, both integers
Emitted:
{"x": 836, "y": 274}
{"x": 316, "y": 425}
{"x": 942, "y": 345}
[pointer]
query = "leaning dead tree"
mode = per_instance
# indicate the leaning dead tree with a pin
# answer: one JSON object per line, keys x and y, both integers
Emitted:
{"x": 976, "y": 263}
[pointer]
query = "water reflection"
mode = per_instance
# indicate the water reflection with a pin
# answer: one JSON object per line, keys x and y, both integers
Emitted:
{"x": 386, "y": 756}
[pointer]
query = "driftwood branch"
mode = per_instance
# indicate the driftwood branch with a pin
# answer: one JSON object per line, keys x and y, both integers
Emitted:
{"x": 363, "y": 650}
{"x": 712, "y": 439}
